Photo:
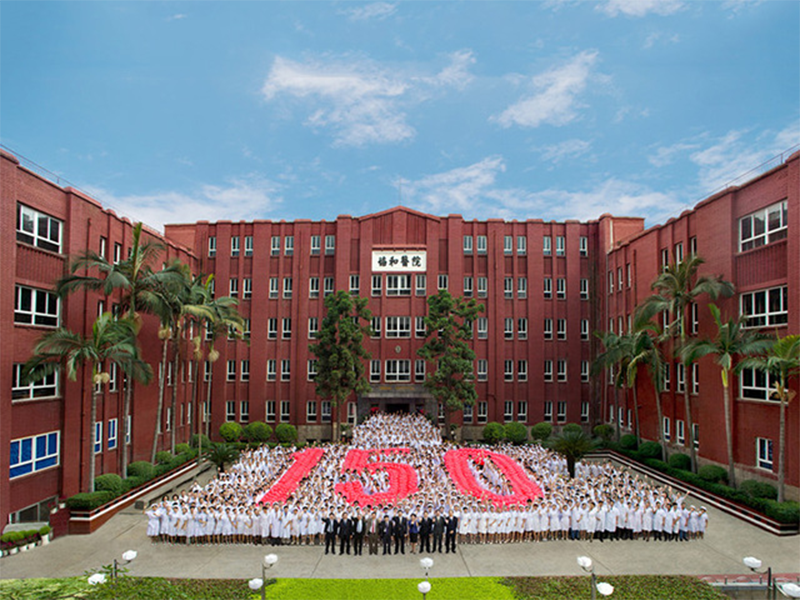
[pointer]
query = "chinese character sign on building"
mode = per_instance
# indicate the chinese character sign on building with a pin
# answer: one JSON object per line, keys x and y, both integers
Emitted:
{"x": 399, "y": 260}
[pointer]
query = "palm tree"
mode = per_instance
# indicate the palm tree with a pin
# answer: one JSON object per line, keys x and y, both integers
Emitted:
{"x": 675, "y": 290}
{"x": 573, "y": 444}
{"x": 611, "y": 357}
{"x": 133, "y": 276}
{"x": 640, "y": 348}
{"x": 732, "y": 340}
{"x": 221, "y": 454}
{"x": 781, "y": 362}
{"x": 112, "y": 341}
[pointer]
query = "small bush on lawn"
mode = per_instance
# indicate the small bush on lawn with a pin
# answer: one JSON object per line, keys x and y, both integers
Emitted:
{"x": 628, "y": 442}
{"x": 230, "y": 432}
{"x": 286, "y": 433}
{"x": 650, "y": 450}
{"x": 89, "y": 501}
{"x": 142, "y": 468}
{"x": 195, "y": 441}
{"x": 713, "y": 473}
{"x": 759, "y": 489}
{"x": 541, "y": 431}
{"x": 680, "y": 461}
{"x": 571, "y": 427}
{"x": 164, "y": 457}
{"x": 257, "y": 432}
{"x": 182, "y": 448}
{"x": 516, "y": 433}
{"x": 493, "y": 433}
{"x": 109, "y": 482}
{"x": 604, "y": 431}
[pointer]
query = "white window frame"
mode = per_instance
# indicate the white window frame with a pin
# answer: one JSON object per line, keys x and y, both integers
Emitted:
{"x": 269, "y": 411}
{"x": 508, "y": 411}
{"x": 764, "y": 454}
{"x": 483, "y": 411}
{"x": 467, "y": 244}
{"x": 772, "y": 231}
{"x": 584, "y": 289}
{"x": 508, "y": 370}
{"x": 419, "y": 370}
{"x": 421, "y": 284}
{"x": 247, "y": 288}
{"x": 398, "y": 327}
{"x": 272, "y": 328}
{"x": 328, "y": 284}
{"x": 583, "y": 245}
{"x": 547, "y": 245}
{"x": 111, "y": 438}
{"x": 39, "y": 308}
{"x": 482, "y": 244}
{"x": 212, "y": 246}
{"x": 376, "y": 285}
{"x": 355, "y": 285}
{"x": 482, "y": 369}
{"x": 548, "y": 370}
{"x": 561, "y": 245}
{"x": 313, "y": 327}
{"x": 483, "y": 287}
{"x": 561, "y": 411}
{"x": 773, "y": 310}
{"x": 442, "y": 281}
{"x": 235, "y": 246}
{"x": 313, "y": 287}
{"x": 47, "y": 387}
{"x": 287, "y": 288}
{"x": 248, "y": 245}
{"x": 398, "y": 285}
{"x": 547, "y": 415}
{"x": 35, "y": 458}
{"x": 288, "y": 245}
{"x": 522, "y": 288}
{"x": 244, "y": 374}
{"x": 312, "y": 369}
{"x": 274, "y": 288}
{"x": 561, "y": 288}
{"x": 398, "y": 370}
{"x": 286, "y": 369}
{"x": 508, "y": 244}
{"x": 272, "y": 369}
{"x": 522, "y": 370}
{"x": 547, "y": 329}
{"x": 522, "y": 245}
{"x": 561, "y": 370}
{"x": 584, "y": 330}
{"x": 233, "y": 287}
{"x": 316, "y": 245}
{"x": 584, "y": 412}
{"x": 37, "y": 229}
{"x": 468, "y": 286}
{"x": 375, "y": 371}
{"x": 275, "y": 246}
{"x": 483, "y": 328}
{"x": 522, "y": 328}
{"x": 508, "y": 328}
{"x": 286, "y": 411}
{"x": 311, "y": 411}
{"x": 584, "y": 371}
{"x": 561, "y": 329}
{"x": 330, "y": 245}
{"x": 231, "y": 371}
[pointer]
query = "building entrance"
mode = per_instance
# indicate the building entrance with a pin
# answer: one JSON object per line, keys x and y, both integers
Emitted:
{"x": 398, "y": 407}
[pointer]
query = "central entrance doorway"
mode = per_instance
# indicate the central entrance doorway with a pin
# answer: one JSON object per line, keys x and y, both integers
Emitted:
{"x": 395, "y": 398}
{"x": 398, "y": 407}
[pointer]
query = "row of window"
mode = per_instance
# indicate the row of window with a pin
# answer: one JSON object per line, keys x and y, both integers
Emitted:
{"x": 34, "y": 453}
{"x": 275, "y": 245}
{"x": 764, "y": 226}
{"x": 522, "y": 411}
{"x": 479, "y": 244}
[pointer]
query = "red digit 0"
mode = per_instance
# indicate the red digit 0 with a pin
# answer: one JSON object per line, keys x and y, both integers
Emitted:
{"x": 402, "y": 478}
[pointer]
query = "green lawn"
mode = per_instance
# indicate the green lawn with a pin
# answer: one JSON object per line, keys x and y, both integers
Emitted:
{"x": 464, "y": 588}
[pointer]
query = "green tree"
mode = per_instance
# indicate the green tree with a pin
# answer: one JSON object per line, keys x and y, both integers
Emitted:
{"x": 573, "y": 445}
{"x": 112, "y": 341}
{"x": 640, "y": 349}
{"x": 676, "y": 289}
{"x": 782, "y": 363}
{"x": 448, "y": 331}
{"x": 732, "y": 340}
{"x": 221, "y": 454}
{"x": 340, "y": 351}
{"x": 612, "y": 358}
{"x": 133, "y": 277}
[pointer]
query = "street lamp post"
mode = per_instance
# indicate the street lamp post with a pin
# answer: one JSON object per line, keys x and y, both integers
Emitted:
{"x": 424, "y": 587}
{"x": 605, "y": 589}
{"x": 426, "y": 563}
{"x": 256, "y": 584}
{"x": 754, "y": 564}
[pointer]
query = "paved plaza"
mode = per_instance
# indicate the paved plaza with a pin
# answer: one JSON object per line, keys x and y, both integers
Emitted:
{"x": 728, "y": 540}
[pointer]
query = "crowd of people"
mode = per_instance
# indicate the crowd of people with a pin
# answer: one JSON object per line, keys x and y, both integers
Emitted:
{"x": 601, "y": 502}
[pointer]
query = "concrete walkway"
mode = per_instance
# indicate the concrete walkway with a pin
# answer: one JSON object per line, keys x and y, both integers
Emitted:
{"x": 726, "y": 543}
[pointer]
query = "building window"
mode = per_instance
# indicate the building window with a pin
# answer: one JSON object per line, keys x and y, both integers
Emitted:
{"x": 34, "y": 453}
{"x": 272, "y": 329}
{"x": 375, "y": 371}
{"x": 355, "y": 285}
{"x": 548, "y": 329}
{"x": 467, "y": 244}
{"x": 548, "y": 412}
{"x": 765, "y": 308}
{"x": 269, "y": 411}
{"x": 584, "y": 412}
{"x": 234, "y": 246}
{"x": 562, "y": 411}
{"x": 330, "y": 244}
{"x": 313, "y": 287}
{"x": 764, "y": 453}
{"x": 508, "y": 328}
{"x": 233, "y": 287}
{"x": 763, "y": 226}
{"x": 561, "y": 329}
{"x": 696, "y": 435}
{"x": 247, "y": 290}
{"x": 522, "y": 370}
{"x": 561, "y": 288}
{"x": 483, "y": 411}
{"x": 619, "y": 278}
{"x": 680, "y": 431}
{"x": 442, "y": 282}
{"x": 327, "y": 286}
{"x": 288, "y": 246}
{"x": 584, "y": 245}
{"x": 98, "y": 434}
{"x": 522, "y": 288}
{"x": 628, "y": 274}
{"x": 398, "y": 327}
{"x": 547, "y": 245}
{"x": 244, "y": 411}
{"x": 482, "y": 244}
{"x": 664, "y": 259}
{"x": 377, "y": 285}
{"x": 666, "y": 381}
{"x": 584, "y": 289}
{"x": 313, "y": 327}
{"x": 548, "y": 370}
{"x": 398, "y": 285}
{"x": 112, "y": 434}
{"x": 483, "y": 328}
{"x": 285, "y": 411}
{"x": 117, "y": 253}
{"x": 508, "y": 244}
{"x": 621, "y": 417}
{"x": 755, "y": 385}
{"x": 231, "y": 376}
{"x": 560, "y": 245}
{"x": 316, "y": 245}
{"x": 666, "y": 429}
{"x": 421, "y": 287}
{"x": 508, "y": 411}
{"x": 273, "y": 288}
{"x": 483, "y": 369}
{"x": 522, "y": 411}
{"x": 248, "y": 245}
{"x": 678, "y": 253}
{"x": 681, "y": 370}
{"x": 313, "y": 364}
{"x": 272, "y": 369}
{"x": 694, "y": 318}
{"x": 103, "y": 246}
{"x": 522, "y": 245}
{"x": 47, "y": 387}
{"x": 286, "y": 369}
{"x": 467, "y": 413}
{"x": 38, "y": 229}
{"x": 36, "y": 307}
{"x": 508, "y": 288}
{"x": 375, "y": 325}
{"x": 548, "y": 288}
{"x": 325, "y": 410}
{"x": 562, "y": 370}
{"x": 508, "y": 370}
{"x": 311, "y": 411}
{"x": 584, "y": 329}
{"x": 419, "y": 370}
{"x": 610, "y": 282}
{"x": 275, "y": 245}
{"x": 287, "y": 287}
{"x": 695, "y": 378}
{"x": 212, "y": 246}
{"x": 468, "y": 287}
{"x": 398, "y": 370}
{"x": 483, "y": 287}
{"x": 584, "y": 371}
{"x": 522, "y": 328}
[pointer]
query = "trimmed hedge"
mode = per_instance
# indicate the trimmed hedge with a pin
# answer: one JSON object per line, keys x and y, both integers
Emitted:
{"x": 110, "y": 482}
{"x": 132, "y": 482}
{"x": 141, "y": 468}
{"x": 195, "y": 441}
{"x": 182, "y": 448}
{"x": 713, "y": 473}
{"x": 516, "y": 433}
{"x": 230, "y": 431}
{"x": 759, "y": 489}
{"x": 257, "y": 432}
{"x": 571, "y": 427}
{"x": 164, "y": 457}
{"x": 493, "y": 432}
{"x": 541, "y": 431}
{"x": 680, "y": 461}
{"x": 628, "y": 442}
{"x": 286, "y": 433}
{"x": 604, "y": 431}
{"x": 650, "y": 450}
{"x": 89, "y": 501}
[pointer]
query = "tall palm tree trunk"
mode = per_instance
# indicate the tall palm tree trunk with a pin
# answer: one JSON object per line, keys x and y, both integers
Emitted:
{"x": 208, "y": 398}
{"x": 93, "y": 437}
{"x": 174, "y": 396}
{"x": 161, "y": 379}
{"x": 687, "y": 402}
{"x": 726, "y": 403}
{"x": 636, "y": 414}
{"x": 126, "y": 410}
{"x": 660, "y": 426}
{"x": 196, "y": 411}
{"x": 782, "y": 443}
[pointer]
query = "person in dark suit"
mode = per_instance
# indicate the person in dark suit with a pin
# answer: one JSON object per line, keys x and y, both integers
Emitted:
{"x": 451, "y": 528}
{"x": 399, "y": 531}
{"x": 331, "y": 529}
{"x": 425, "y": 528}
{"x": 439, "y": 525}
{"x": 385, "y": 533}
{"x": 371, "y": 528}
{"x": 345, "y": 532}
{"x": 359, "y": 528}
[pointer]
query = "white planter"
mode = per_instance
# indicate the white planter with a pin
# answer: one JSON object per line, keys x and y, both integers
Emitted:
{"x": 13, "y": 550}
{"x": 46, "y": 539}
{"x": 24, "y": 548}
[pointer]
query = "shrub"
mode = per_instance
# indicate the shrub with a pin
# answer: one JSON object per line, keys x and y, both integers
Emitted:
{"x": 182, "y": 448}
{"x": 230, "y": 432}
{"x": 541, "y": 431}
{"x": 680, "y": 461}
{"x": 628, "y": 442}
{"x": 571, "y": 427}
{"x": 784, "y": 512}
{"x": 132, "y": 482}
{"x": 195, "y": 441}
{"x": 604, "y": 431}
{"x": 141, "y": 468}
{"x": 257, "y": 432}
{"x": 650, "y": 450}
{"x": 493, "y": 432}
{"x": 161, "y": 469}
{"x": 516, "y": 433}
{"x": 164, "y": 457}
{"x": 713, "y": 473}
{"x": 109, "y": 482}
{"x": 759, "y": 489}
{"x": 45, "y": 530}
{"x": 89, "y": 501}
{"x": 286, "y": 433}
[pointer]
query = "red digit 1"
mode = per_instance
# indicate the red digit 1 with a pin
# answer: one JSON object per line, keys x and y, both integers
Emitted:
{"x": 402, "y": 478}
{"x": 303, "y": 463}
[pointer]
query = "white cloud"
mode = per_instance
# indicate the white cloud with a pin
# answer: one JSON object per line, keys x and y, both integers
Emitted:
{"x": 177, "y": 17}
{"x": 247, "y": 198}
{"x": 362, "y": 102}
{"x": 556, "y": 99}
{"x": 375, "y": 10}
{"x": 666, "y": 155}
{"x": 564, "y": 150}
{"x": 640, "y": 8}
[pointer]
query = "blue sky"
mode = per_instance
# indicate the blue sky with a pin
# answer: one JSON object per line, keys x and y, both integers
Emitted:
{"x": 179, "y": 111}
